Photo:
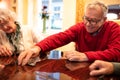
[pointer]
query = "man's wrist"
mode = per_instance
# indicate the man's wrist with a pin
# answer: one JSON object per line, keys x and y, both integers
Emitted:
{"x": 84, "y": 57}
{"x": 35, "y": 49}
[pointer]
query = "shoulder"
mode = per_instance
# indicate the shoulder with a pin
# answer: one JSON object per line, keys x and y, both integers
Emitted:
{"x": 78, "y": 26}
{"x": 111, "y": 24}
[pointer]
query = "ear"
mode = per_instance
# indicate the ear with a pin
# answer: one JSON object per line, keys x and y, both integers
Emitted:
{"x": 105, "y": 18}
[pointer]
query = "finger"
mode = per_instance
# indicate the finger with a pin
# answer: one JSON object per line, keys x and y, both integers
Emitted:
{"x": 1, "y": 66}
{"x": 96, "y": 72}
{"x": 21, "y": 57}
{"x": 26, "y": 59}
{"x": 4, "y": 51}
{"x": 92, "y": 67}
{"x": 66, "y": 53}
{"x": 69, "y": 56}
{"x": 95, "y": 65}
{"x": 7, "y": 52}
{"x": 73, "y": 59}
{"x": 0, "y": 54}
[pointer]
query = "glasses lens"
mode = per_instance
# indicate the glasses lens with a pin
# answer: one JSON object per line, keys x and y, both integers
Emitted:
{"x": 91, "y": 21}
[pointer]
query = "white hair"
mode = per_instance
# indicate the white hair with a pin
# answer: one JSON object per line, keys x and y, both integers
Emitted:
{"x": 100, "y": 4}
{"x": 6, "y": 15}
{"x": 5, "y": 41}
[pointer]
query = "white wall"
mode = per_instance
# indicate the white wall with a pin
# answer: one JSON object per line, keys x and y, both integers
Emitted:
{"x": 69, "y": 13}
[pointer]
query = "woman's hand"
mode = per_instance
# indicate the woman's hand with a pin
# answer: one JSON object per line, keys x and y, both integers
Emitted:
{"x": 6, "y": 60}
{"x": 25, "y": 56}
{"x": 4, "y": 51}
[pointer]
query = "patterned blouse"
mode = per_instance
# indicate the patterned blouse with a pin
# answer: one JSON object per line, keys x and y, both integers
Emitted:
{"x": 16, "y": 39}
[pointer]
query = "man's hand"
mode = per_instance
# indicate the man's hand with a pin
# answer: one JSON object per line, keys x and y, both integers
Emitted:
{"x": 24, "y": 57}
{"x": 75, "y": 56}
{"x": 101, "y": 68}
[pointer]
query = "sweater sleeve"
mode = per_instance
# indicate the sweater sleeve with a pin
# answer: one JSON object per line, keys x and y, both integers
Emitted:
{"x": 116, "y": 68}
{"x": 59, "y": 39}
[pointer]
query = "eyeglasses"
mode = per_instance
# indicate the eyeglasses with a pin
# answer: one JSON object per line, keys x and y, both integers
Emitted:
{"x": 91, "y": 21}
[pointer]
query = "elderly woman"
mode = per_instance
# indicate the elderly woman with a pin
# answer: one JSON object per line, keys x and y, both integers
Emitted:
{"x": 13, "y": 38}
{"x": 10, "y": 34}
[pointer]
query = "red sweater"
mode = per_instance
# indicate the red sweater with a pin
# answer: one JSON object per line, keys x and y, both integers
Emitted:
{"x": 103, "y": 46}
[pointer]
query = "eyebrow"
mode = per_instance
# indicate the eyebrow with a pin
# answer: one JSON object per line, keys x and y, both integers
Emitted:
{"x": 92, "y": 18}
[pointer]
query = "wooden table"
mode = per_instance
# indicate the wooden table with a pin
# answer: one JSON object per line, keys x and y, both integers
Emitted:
{"x": 49, "y": 69}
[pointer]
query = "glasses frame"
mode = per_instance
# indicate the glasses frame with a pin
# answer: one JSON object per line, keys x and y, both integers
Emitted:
{"x": 91, "y": 21}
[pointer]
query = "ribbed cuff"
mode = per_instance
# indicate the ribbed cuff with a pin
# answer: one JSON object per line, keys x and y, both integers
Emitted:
{"x": 116, "y": 68}
{"x": 43, "y": 55}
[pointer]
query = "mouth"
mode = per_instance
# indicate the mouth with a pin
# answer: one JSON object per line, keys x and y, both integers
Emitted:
{"x": 8, "y": 31}
{"x": 91, "y": 27}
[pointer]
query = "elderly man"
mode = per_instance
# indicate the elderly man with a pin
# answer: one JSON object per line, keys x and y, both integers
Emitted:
{"x": 95, "y": 38}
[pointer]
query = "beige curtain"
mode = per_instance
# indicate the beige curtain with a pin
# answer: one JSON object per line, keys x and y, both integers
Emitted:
{"x": 79, "y": 10}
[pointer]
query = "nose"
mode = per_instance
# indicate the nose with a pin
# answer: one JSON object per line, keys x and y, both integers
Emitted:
{"x": 88, "y": 23}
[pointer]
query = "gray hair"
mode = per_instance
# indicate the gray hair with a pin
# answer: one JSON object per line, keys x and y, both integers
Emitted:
{"x": 6, "y": 15}
{"x": 100, "y": 4}
{"x": 5, "y": 41}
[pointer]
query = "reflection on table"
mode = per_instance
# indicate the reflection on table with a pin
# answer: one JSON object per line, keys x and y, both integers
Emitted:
{"x": 49, "y": 69}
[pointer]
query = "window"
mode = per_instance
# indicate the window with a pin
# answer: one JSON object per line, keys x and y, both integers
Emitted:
{"x": 57, "y": 8}
{"x": 54, "y": 8}
{"x": 113, "y": 12}
{"x": 56, "y": 1}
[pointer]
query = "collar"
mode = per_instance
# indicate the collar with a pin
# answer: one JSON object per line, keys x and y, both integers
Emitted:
{"x": 96, "y": 32}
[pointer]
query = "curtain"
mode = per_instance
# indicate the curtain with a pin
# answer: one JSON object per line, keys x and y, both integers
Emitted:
{"x": 79, "y": 10}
